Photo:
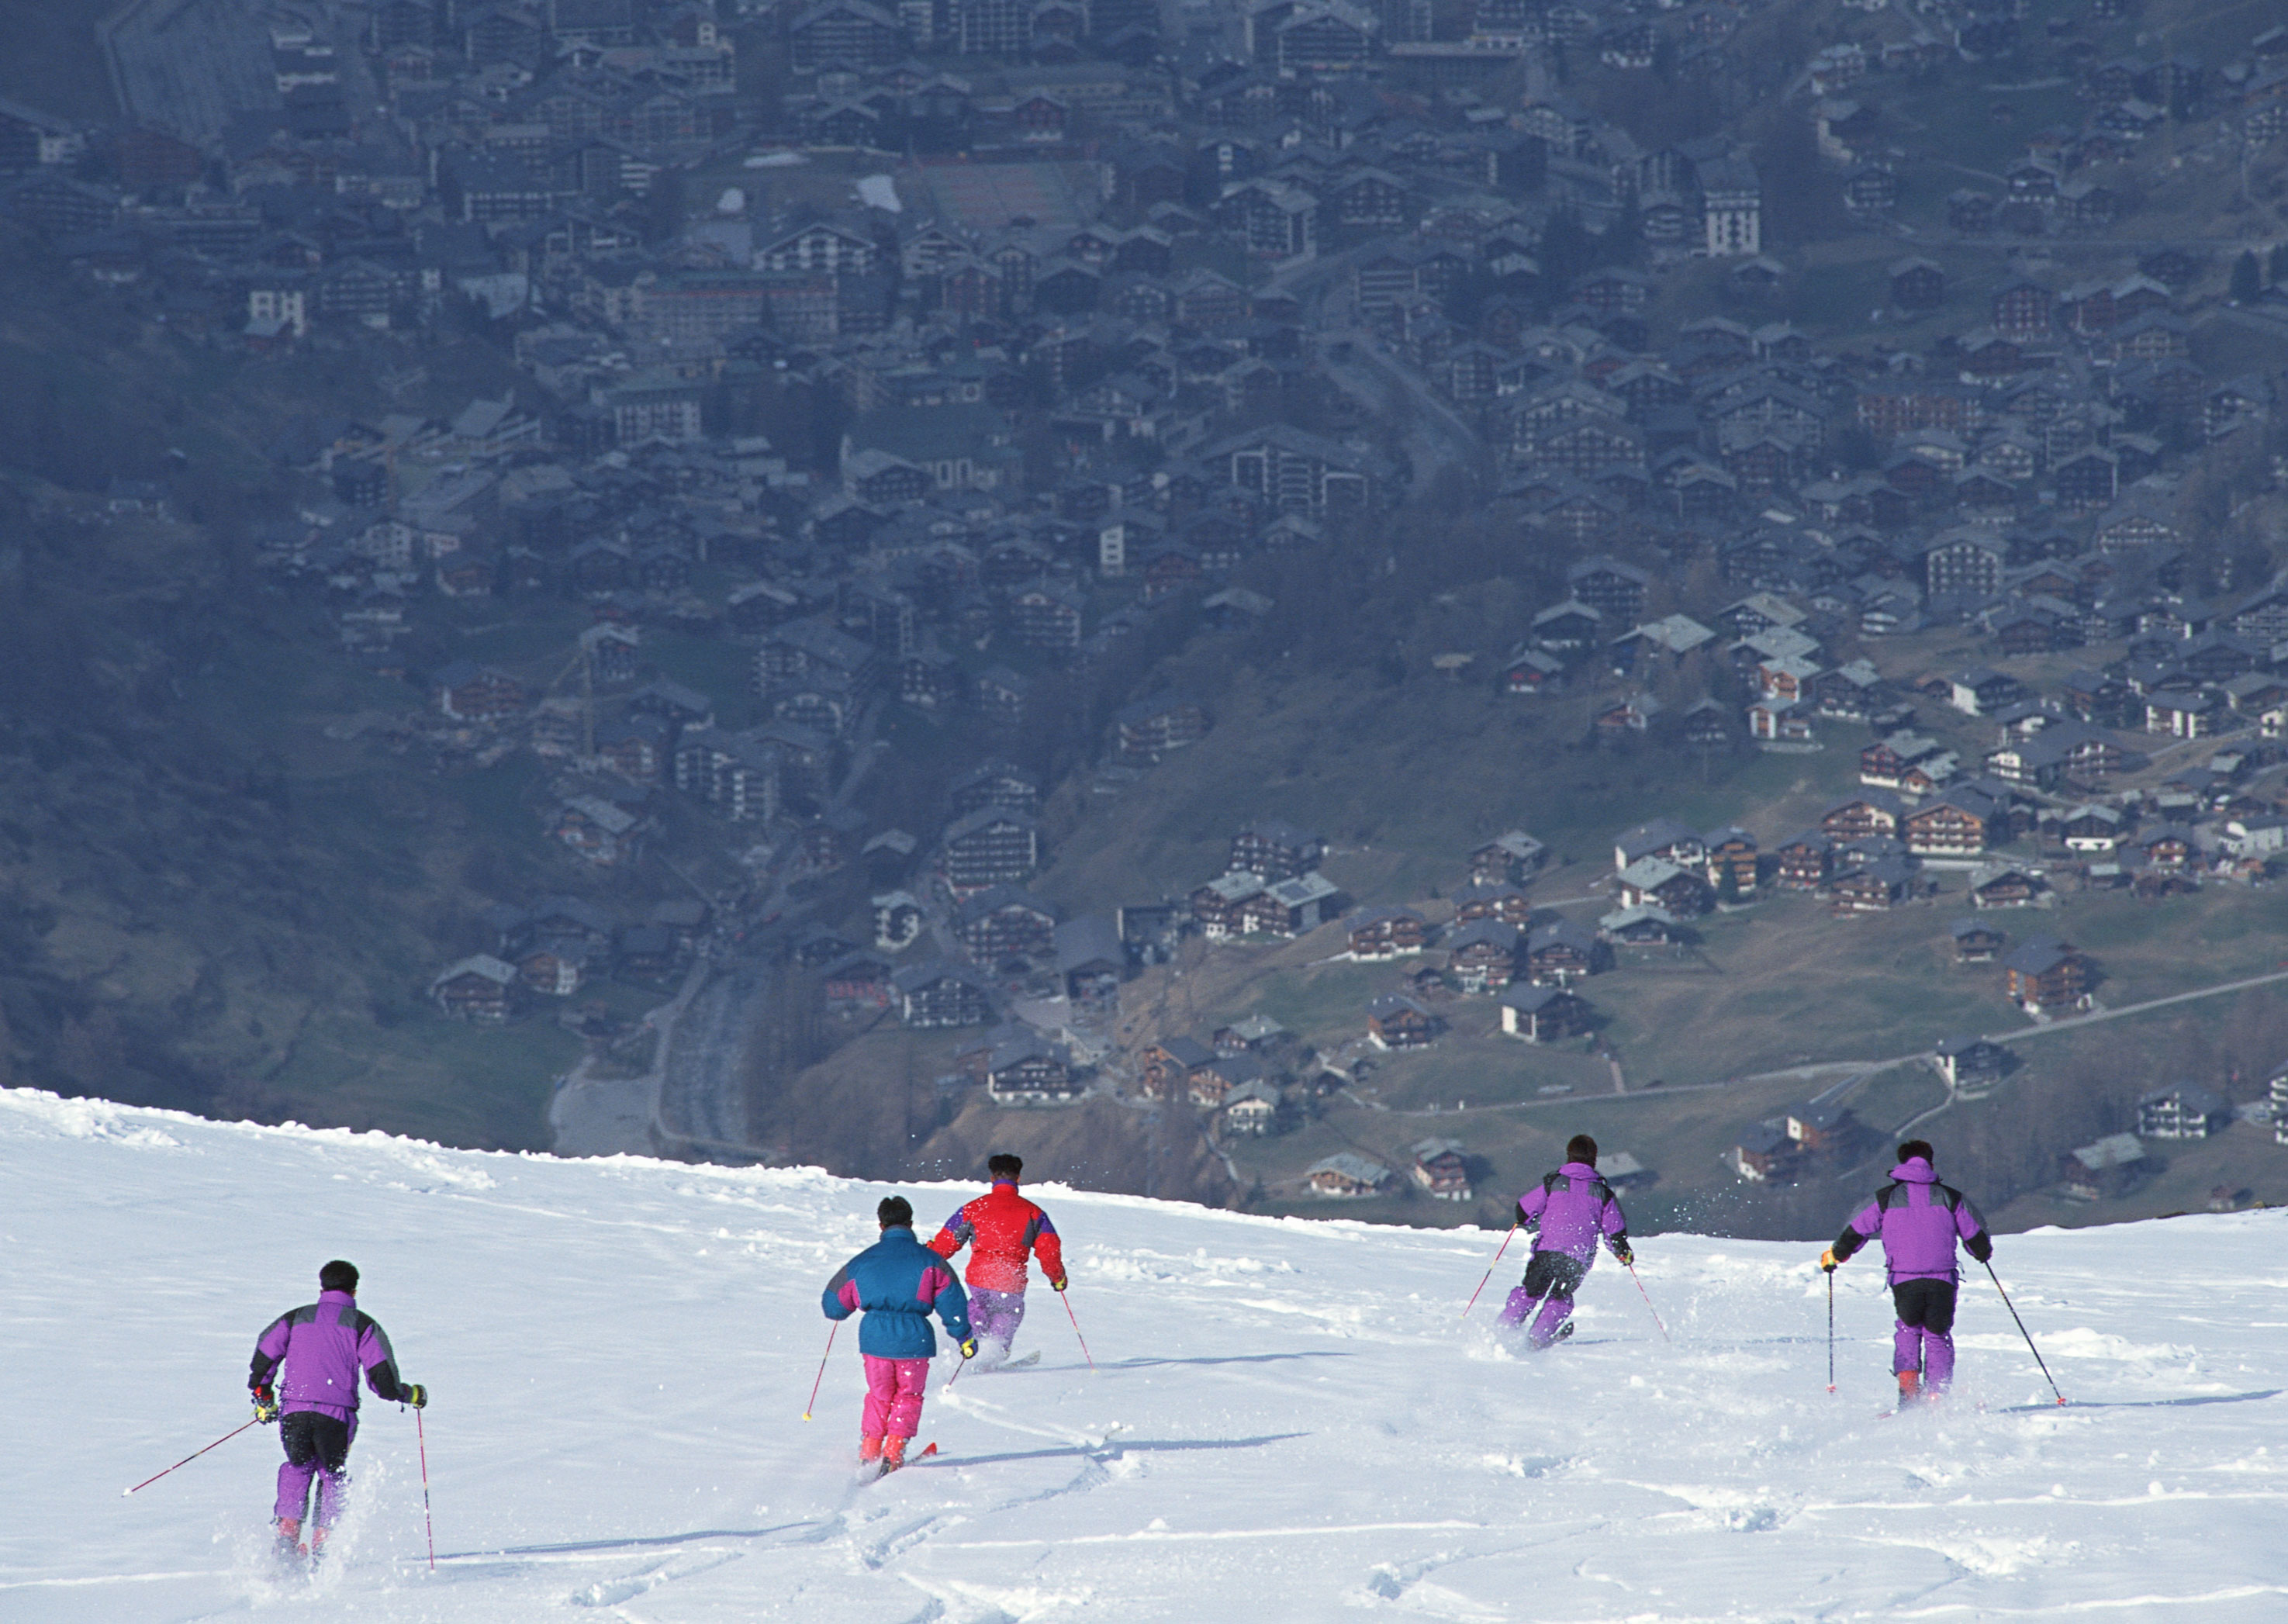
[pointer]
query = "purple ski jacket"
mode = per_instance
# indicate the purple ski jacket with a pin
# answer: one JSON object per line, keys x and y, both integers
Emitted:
{"x": 323, "y": 1347}
{"x": 1571, "y": 1211}
{"x": 1917, "y": 1219}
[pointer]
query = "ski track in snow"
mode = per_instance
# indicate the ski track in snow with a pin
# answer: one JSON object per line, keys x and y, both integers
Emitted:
{"x": 1290, "y": 1420}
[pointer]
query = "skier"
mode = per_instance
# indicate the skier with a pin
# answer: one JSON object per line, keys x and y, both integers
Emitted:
{"x": 322, "y": 1346}
{"x": 1567, "y": 1214}
{"x": 1919, "y": 1220}
{"x": 999, "y": 1228}
{"x": 897, "y": 1281}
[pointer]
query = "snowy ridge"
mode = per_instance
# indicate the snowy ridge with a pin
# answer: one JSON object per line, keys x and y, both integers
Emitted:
{"x": 1291, "y": 1422}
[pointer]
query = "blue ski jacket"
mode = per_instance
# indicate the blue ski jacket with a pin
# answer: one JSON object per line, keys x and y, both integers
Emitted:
{"x": 899, "y": 1282}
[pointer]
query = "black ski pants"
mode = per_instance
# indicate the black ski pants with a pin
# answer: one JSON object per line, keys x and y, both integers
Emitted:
{"x": 1553, "y": 1274}
{"x": 1926, "y": 1305}
{"x": 317, "y": 1446}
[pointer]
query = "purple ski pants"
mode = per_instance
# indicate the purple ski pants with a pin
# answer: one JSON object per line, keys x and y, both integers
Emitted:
{"x": 1552, "y": 1276}
{"x": 1923, "y": 1338}
{"x": 317, "y": 1446}
{"x": 994, "y": 1317}
{"x": 1915, "y": 1347}
{"x": 1555, "y": 1311}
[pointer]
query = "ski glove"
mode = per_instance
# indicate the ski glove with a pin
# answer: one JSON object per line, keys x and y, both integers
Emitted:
{"x": 1058, "y": 1284}
{"x": 1980, "y": 1246}
{"x": 266, "y": 1405}
{"x": 1828, "y": 1260}
{"x": 1621, "y": 1250}
{"x": 414, "y": 1394}
{"x": 969, "y": 1347}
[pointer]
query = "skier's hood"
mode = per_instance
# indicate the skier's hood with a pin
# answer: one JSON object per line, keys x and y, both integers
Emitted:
{"x": 1914, "y": 1170}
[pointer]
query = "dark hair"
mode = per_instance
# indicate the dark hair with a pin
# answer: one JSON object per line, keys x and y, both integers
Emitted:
{"x": 1581, "y": 1147}
{"x": 1913, "y": 1148}
{"x": 1005, "y": 1166}
{"x": 337, "y": 1276}
{"x": 895, "y": 1210}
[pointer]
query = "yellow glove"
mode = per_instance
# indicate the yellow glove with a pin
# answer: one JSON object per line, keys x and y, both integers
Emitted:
{"x": 969, "y": 1347}
{"x": 1827, "y": 1260}
{"x": 1059, "y": 1283}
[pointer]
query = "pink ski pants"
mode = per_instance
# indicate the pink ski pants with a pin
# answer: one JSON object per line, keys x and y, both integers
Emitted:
{"x": 893, "y": 1395}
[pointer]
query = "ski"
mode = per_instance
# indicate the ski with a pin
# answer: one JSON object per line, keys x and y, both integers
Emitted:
{"x": 1034, "y": 1357}
{"x": 881, "y": 1471}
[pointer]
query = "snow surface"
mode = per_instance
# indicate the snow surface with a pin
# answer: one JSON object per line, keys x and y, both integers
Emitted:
{"x": 1289, "y": 1422}
{"x": 880, "y": 192}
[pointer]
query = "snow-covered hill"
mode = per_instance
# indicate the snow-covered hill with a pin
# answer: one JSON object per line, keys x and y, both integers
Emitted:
{"x": 1290, "y": 1421}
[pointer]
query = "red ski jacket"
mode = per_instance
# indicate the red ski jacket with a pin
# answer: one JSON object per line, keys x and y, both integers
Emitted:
{"x": 999, "y": 1228}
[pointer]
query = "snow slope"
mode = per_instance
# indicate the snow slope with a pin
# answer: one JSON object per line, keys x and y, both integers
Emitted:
{"x": 1289, "y": 1422}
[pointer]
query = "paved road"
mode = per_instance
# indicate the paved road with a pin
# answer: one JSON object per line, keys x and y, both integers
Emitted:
{"x": 613, "y": 1116}
{"x": 1436, "y": 436}
{"x": 2070, "y": 1022}
{"x": 1854, "y": 1070}
{"x": 702, "y": 1104}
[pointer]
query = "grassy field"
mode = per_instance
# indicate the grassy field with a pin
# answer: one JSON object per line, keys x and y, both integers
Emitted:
{"x": 1778, "y": 986}
{"x": 425, "y": 1076}
{"x": 1405, "y": 783}
{"x": 2242, "y": 1160}
{"x": 1406, "y": 779}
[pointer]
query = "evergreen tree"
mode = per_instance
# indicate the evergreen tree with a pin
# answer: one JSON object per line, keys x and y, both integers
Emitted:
{"x": 1567, "y": 251}
{"x": 2247, "y": 278}
{"x": 1622, "y": 242}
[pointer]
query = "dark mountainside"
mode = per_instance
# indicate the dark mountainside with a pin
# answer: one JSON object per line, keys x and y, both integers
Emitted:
{"x": 1284, "y": 614}
{"x": 196, "y": 888}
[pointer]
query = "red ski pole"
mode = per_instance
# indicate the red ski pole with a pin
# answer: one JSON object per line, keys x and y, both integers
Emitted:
{"x": 1649, "y": 1309}
{"x": 194, "y": 1455}
{"x": 1490, "y": 1267}
{"x": 822, "y": 1367}
{"x": 1084, "y": 1354}
{"x": 421, "y": 1437}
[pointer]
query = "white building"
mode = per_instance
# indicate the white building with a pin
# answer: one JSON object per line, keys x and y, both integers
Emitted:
{"x": 1732, "y": 209}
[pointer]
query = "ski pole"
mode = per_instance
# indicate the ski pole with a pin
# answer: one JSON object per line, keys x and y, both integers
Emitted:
{"x": 421, "y": 1437}
{"x": 1649, "y": 1309}
{"x": 1084, "y": 1354}
{"x": 2023, "y": 1332}
{"x": 1490, "y": 1267}
{"x": 194, "y": 1455}
{"x": 822, "y": 1367}
{"x": 1830, "y": 1330}
{"x": 957, "y": 1369}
